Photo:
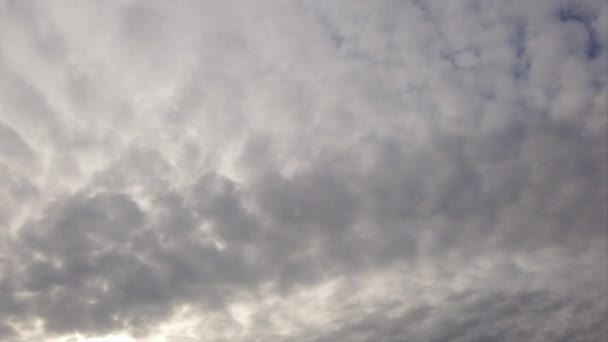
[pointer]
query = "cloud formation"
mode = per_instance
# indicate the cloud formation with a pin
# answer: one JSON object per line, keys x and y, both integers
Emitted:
{"x": 304, "y": 171}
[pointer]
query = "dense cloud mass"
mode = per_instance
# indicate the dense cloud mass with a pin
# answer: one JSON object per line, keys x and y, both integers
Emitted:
{"x": 308, "y": 171}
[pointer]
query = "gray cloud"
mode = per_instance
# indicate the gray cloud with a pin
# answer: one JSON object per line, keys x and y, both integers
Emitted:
{"x": 319, "y": 171}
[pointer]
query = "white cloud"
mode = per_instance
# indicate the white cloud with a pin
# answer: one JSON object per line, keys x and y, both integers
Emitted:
{"x": 318, "y": 171}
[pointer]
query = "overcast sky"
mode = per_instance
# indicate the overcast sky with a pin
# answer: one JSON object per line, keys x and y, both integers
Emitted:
{"x": 306, "y": 171}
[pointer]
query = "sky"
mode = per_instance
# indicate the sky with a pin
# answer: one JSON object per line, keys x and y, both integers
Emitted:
{"x": 304, "y": 170}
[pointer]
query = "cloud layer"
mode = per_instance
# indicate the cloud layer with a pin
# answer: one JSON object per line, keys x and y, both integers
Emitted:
{"x": 304, "y": 171}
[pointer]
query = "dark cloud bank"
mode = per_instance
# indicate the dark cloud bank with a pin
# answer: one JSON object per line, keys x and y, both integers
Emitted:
{"x": 304, "y": 170}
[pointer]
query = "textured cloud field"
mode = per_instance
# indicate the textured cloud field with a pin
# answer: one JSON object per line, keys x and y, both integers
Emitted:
{"x": 304, "y": 171}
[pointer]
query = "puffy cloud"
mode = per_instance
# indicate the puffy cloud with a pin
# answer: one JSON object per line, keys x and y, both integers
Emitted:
{"x": 318, "y": 171}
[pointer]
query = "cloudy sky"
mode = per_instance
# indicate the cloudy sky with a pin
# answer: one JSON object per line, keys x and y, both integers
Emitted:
{"x": 306, "y": 170}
